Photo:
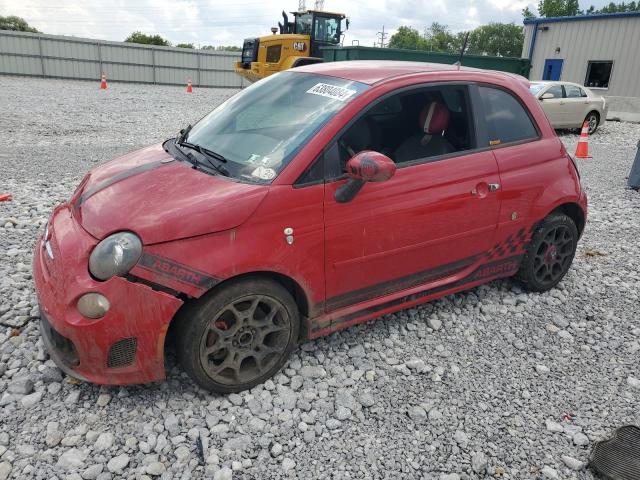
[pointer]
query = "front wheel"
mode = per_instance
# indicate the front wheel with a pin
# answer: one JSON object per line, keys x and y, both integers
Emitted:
{"x": 550, "y": 253}
{"x": 239, "y": 336}
{"x": 593, "y": 120}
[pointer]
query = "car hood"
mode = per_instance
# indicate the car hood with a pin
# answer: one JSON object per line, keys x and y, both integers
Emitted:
{"x": 161, "y": 199}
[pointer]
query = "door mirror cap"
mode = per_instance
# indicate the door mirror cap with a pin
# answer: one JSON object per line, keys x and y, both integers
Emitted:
{"x": 370, "y": 166}
{"x": 547, "y": 96}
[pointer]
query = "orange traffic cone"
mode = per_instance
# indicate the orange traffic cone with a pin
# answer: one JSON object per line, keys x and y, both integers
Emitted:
{"x": 189, "y": 87}
{"x": 103, "y": 82}
{"x": 5, "y": 197}
{"x": 582, "y": 149}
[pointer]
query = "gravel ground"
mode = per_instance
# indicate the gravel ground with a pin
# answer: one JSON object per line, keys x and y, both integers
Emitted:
{"x": 492, "y": 382}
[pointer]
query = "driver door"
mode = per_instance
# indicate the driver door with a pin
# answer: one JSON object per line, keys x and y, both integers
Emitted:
{"x": 431, "y": 220}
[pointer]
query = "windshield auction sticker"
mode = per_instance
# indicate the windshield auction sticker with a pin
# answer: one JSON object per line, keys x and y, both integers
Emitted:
{"x": 331, "y": 91}
{"x": 264, "y": 173}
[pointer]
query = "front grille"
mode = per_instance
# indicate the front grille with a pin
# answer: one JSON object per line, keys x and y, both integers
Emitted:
{"x": 122, "y": 353}
{"x": 618, "y": 457}
{"x": 64, "y": 348}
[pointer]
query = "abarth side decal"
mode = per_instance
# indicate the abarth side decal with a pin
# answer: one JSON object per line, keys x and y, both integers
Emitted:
{"x": 398, "y": 284}
{"x": 496, "y": 266}
{"x": 176, "y": 271}
{"x": 500, "y": 268}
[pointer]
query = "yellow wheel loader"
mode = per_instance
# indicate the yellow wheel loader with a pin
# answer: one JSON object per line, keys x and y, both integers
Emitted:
{"x": 298, "y": 43}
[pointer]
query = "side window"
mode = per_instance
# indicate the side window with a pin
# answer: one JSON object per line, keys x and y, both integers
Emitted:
{"x": 506, "y": 118}
{"x": 556, "y": 90}
{"x": 422, "y": 124}
{"x": 598, "y": 74}
{"x": 326, "y": 30}
{"x": 573, "y": 91}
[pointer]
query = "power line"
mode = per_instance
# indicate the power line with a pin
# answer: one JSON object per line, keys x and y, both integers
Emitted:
{"x": 383, "y": 36}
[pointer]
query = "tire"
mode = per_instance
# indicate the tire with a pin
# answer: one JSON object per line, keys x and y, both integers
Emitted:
{"x": 593, "y": 119}
{"x": 237, "y": 337}
{"x": 549, "y": 254}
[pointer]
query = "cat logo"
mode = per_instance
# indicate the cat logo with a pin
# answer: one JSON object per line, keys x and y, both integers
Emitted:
{"x": 300, "y": 46}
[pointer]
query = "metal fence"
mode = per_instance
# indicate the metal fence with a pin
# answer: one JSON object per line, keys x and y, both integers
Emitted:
{"x": 54, "y": 56}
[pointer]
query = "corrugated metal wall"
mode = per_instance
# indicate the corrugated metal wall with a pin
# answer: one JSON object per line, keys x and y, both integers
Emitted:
{"x": 34, "y": 54}
{"x": 579, "y": 41}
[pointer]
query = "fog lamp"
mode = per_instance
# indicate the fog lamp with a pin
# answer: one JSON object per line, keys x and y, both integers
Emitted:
{"x": 93, "y": 305}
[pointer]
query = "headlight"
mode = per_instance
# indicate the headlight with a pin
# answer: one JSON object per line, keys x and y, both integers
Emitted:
{"x": 115, "y": 255}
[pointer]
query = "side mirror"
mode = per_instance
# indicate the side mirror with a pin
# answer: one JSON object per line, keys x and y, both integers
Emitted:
{"x": 547, "y": 96}
{"x": 366, "y": 166}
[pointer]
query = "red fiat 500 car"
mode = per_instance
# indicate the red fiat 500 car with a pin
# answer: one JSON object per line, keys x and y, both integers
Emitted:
{"x": 315, "y": 199}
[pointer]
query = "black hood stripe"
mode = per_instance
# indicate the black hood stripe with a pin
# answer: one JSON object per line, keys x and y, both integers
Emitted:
{"x": 117, "y": 178}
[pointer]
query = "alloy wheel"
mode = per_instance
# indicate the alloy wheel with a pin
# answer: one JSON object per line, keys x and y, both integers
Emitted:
{"x": 554, "y": 254}
{"x": 245, "y": 339}
{"x": 592, "y": 123}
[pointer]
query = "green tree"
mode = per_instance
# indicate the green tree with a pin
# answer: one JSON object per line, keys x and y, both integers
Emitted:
{"x": 139, "y": 37}
{"x": 554, "y": 8}
{"x": 16, "y": 23}
{"x": 496, "y": 39}
{"x": 615, "y": 8}
{"x": 185, "y": 45}
{"x": 407, "y": 38}
{"x": 439, "y": 38}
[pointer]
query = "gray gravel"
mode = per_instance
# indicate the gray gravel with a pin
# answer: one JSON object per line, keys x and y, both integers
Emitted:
{"x": 491, "y": 382}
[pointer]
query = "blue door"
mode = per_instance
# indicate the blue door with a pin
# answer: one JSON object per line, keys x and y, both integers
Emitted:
{"x": 552, "y": 69}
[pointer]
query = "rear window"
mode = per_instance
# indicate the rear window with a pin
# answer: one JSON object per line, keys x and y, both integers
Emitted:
{"x": 506, "y": 118}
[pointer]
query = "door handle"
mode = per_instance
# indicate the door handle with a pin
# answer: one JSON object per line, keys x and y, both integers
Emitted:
{"x": 482, "y": 189}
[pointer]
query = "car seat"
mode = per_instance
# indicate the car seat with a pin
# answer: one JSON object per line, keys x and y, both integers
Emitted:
{"x": 433, "y": 121}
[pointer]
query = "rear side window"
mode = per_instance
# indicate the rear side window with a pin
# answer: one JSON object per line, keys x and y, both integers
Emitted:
{"x": 574, "y": 92}
{"x": 506, "y": 118}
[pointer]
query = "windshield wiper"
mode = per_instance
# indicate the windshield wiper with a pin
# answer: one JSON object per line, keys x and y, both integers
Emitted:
{"x": 208, "y": 156}
{"x": 184, "y": 133}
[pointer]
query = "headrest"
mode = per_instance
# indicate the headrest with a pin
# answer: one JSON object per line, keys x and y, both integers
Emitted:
{"x": 434, "y": 118}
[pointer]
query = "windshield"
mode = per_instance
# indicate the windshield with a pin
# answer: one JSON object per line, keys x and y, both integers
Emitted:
{"x": 536, "y": 87}
{"x": 259, "y": 130}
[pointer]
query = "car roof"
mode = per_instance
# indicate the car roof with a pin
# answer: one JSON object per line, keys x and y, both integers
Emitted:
{"x": 376, "y": 71}
{"x": 555, "y": 82}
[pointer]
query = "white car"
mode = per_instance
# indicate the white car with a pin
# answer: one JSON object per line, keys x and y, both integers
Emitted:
{"x": 569, "y": 105}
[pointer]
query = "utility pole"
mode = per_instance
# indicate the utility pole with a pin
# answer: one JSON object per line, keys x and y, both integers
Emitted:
{"x": 383, "y": 37}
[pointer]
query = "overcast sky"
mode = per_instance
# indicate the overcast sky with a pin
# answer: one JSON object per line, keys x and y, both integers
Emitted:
{"x": 218, "y": 22}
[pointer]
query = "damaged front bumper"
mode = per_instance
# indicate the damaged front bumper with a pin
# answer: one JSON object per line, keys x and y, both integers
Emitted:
{"x": 126, "y": 346}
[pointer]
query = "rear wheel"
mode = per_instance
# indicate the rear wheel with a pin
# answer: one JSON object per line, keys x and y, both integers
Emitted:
{"x": 236, "y": 338}
{"x": 593, "y": 120}
{"x": 550, "y": 253}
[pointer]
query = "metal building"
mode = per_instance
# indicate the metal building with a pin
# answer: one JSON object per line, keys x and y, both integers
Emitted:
{"x": 600, "y": 51}
{"x": 57, "y": 56}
